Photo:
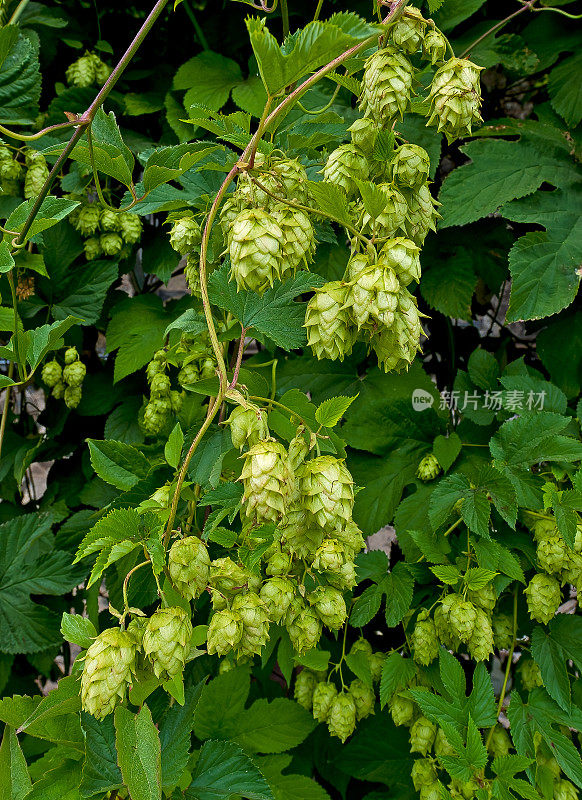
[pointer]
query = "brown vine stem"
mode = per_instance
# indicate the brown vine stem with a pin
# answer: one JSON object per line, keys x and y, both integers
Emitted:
{"x": 527, "y": 6}
{"x": 239, "y": 355}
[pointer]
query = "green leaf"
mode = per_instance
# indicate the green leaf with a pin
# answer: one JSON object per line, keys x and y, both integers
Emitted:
{"x": 20, "y": 81}
{"x": 120, "y": 524}
{"x": 289, "y": 787}
{"x": 61, "y": 783}
{"x": 139, "y": 753}
{"x": 63, "y": 729}
{"x": 100, "y": 770}
{"x": 366, "y": 606}
{"x": 398, "y": 587}
{"x": 446, "y": 450}
{"x": 208, "y": 79}
{"x": 137, "y": 328}
{"x": 52, "y": 211}
{"x": 563, "y": 364}
{"x": 173, "y": 447}
{"x": 449, "y": 286}
{"x": 454, "y": 12}
{"x": 83, "y": 293}
{"x": 61, "y": 701}
{"x": 447, "y": 574}
{"x": 275, "y": 314}
{"x": 78, "y": 630}
{"x": 221, "y": 702}
{"x": 117, "y": 463}
{"x": 272, "y": 727}
{"x": 175, "y": 738}
{"x": 332, "y": 410}
{"x": 6, "y": 259}
{"x": 168, "y": 163}
{"x": 565, "y": 91}
{"x": 360, "y": 666}
{"x": 46, "y": 338}
{"x": 15, "y": 781}
{"x": 224, "y": 770}
{"x": 332, "y": 200}
{"x": 397, "y": 671}
{"x": 550, "y": 658}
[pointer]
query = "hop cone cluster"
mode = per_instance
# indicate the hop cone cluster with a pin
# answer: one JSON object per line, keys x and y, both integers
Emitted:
{"x": 106, "y": 232}
{"x": 66, "y": 382}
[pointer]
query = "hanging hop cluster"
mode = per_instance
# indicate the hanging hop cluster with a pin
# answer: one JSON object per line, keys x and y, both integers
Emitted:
{"x": 89, "y": 70}
{"x": 160, "y": 645}
{"x": 105, "y": 232}
{"x": 164, "y": 402}
{"x": 66, "y": 382}
{"x": 196, "y": 359}
{"x": 22, "y": 178}
{"x": 268, "y": 239}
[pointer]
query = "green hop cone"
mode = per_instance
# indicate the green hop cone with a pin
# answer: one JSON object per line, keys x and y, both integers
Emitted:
{"x": 434, "y": 46}
{"x": 267, "y": 480}
{"x": 192, "y": 274}
{"x": 553, "y": 554}
{"x": 402, "y": 710}
{"x": 228, "y": 577}
{"x": 530, "y": 674}
{"x": 429, "y": 468}
{"x": 344, "y": 578}
{"x": 248, "y": 426}
{"x": 397, "y": 346}
{"x": 87, "y": 219}
{"x": 330, "y": 606}
{"x": 345, "y": 166}
{"x": 363, "y": 697}
{"x": 424, "y": 640}
{"x": 442, "y": 746}
{"x": 292, "y": 179}
{"x": 278, "y": 564}
{"x": 464, "y": 789}
{"x": 364, "y": 133}
{"x": 254, "y": 616}
{"x": 277, "y": 594}
{"x": 305, "y": 684}
{"x": 102, "y": 70}
{"x": 185, "y": 234}
{"x": 52, "y": 373}
{"x": 351, "y": 538}
{"x": 564, "y": 790}
{"x": 189, "y": 566}
{"x": 341, "y": 721}
{"x": 71, "y": 355}
{"x": 543, "y": 597}
{"x": 300, "y": 533}
{"x": 109, "y": 220}
{"x": 329, "y": 556}
{"x": 402, "y": 256}
{"x": 442, "y": 622}
{"x": 327, "y": 489}
{"x": 74, "y": 374}
{"x": 502, "y": 631}
{"x": 111, "y": 244}
{"x": 108, "y": 668}
{"x": 455, "y": 98}
{"x": 423, "y": 773}
{"x": 10, "y": 169}
{"x": 376, "y": 666}
{"x": 484, "y": 597}
{"x": 422, "y": 213}
{"x": 543, "y": 528}
{"x": 408, "y": 31}
{"x": 392, "y": 217}
{"x": 72, "y": 396}
{"x": 305, "y": 630}
{"x": 92, "y": 248}
{"x": 156, "y": 416}
{"x": 81, "y": 73}
{"x": 298, "y": 241}
{"x": 224, "y": 632}
{"x": 386, "y": 86}
{"x": 499, "y": 743}
{"x": 373, "y": 293}
{"x": 130, "y": 227}
{"x": 58, "y": 391}
{"x": 573, "y": 574}
{"x": 188, "y": 374}
{"x": 166, "y": 641}
{"x": 410, "y": 166}
{"x": 422, "y": 736}
{"x": 481, "y": 642}
{"x": 255, "y": 246}
{"x": 329, "y": 330}
{"x": 298, "y": 450}
{"x": 36, "y": 176}
{"x": 462, "y": 618}
{"x": 323, "y": 696}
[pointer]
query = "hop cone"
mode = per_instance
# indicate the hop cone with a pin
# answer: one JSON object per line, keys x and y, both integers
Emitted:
{"x": 255, "y": 246}
{"x": 363, "y": 697}
{"x": 573, "y": 573}
{"x": 397, "y": 346}
{"x": 72, "y": 396}
{"x": 402, "y": 710}
{"x": 304, "y": 631}
{"x": 130, "y": 227}
{"x": 502, "y": 631}
{"x": 481, "y": 642}
{"x": 401, "y": 255}
{"x": 108, "y": 668}
{"x": 111, "y": 243}
{"x": 277, "y": 594}
{"x": 386, "y": 86}
{"x": 564, "y": 790}
{"x": 328, "y": 491}
{"x": 109, "y": 220}
{"x": 342, "y": 716}
{"x": 500, "y": 743}
{"x": 36, "y": 176}
{"x": 102, "y": 70}
{"x": 462, "y": 618}
{"x": 227, "y": 577}
{"x": 423, "y": 773}
{"x": 267, "y": 480}
{"x": 224, "y": 632}
{"x": 81, "y": 73}
{"x": 408, "y": 32}
{"x": 364, "y": 133}
{"x": 424, "y": 640}
{"x": 410, "y": 165}
{"x": 52, "y": 373}
{"x": 189, "y": 566}
{"x": 156, "y": 416}
{"x": 92, "y": 248}
{"x": 442, "y": 622}
{"x": 376, "y": 666}
{"x": 74, "y": 374}
{"x": 429, "y": 468}
{"x": 185, "y": 235}
{"x": 422, "y": 736}
{"x": 344, "y": 578}
{"x": 301, "y": 534}
{"x": 552, "y": 553}
{"x": 329, "y": 556}
{"x": 422, "y": 214}
{"x": 485, "y": 597}
{"x": 391, "y": 218}
{"x": 442, "y": 746}
{"x": 298, "y": 242}
{"x": 248, "y": 426}
{"x": 278, "y": 564}
{"x": 58, "y": 391}
{"x": 87, "y": 220}
{"x": 543, "y": 597}
{"x": 166, "y": 641}
{"x": 434, "y": 46}
{"x": 329, "y": 333}
{"x": 351, "y": 538}
{"x": 305, "y": 684}
{"x": 455, "y": 98}
{"x": 323, "y": 696}
{"x": 530, "y": 674}
{"x": 345, "y": 165}
{"x": 330, "y": 606}
{"x": 255, "y": 619}
{"x": 287, "y": 178}
{"x": 373, "y": 294}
